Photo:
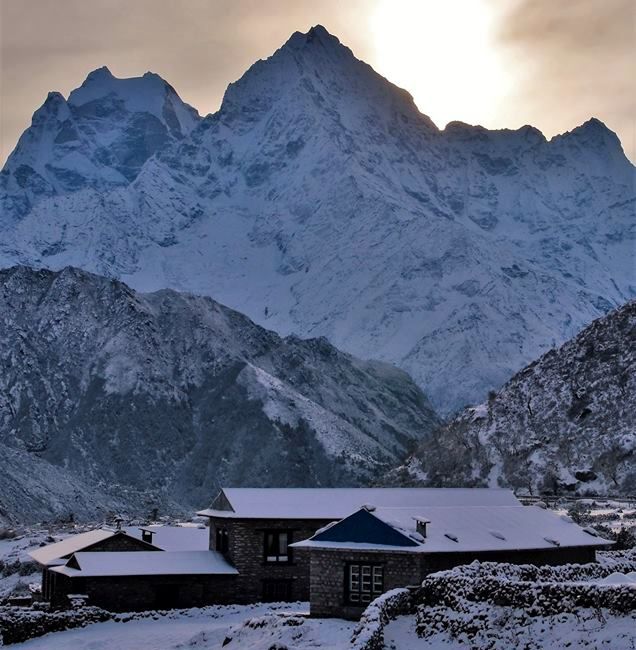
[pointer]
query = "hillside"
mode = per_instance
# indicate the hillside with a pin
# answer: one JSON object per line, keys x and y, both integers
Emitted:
{"x": 566, "y": 423}
{"x": 111, "y": 398}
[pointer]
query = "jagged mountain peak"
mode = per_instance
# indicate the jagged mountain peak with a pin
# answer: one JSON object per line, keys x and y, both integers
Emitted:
{"x": 594, "y": 138}
{"x": 53, "y": 108}
{"x": 97, "y": 139}
{"x": 148, "y": 93}
{"x": 98, "y": 75}
{"x": 316, "y": 71}
{"x": 317, "y": 37}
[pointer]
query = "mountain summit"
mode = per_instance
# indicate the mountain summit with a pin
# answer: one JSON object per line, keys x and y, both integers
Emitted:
{"x": 99, "y": 138}
{"x": 319, "y": 200}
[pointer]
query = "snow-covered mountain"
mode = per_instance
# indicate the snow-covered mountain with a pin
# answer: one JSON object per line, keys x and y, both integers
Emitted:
{"x": 319, "y": 200}
{"x": 567, "y": 422}
{"x": 164, "y": 396}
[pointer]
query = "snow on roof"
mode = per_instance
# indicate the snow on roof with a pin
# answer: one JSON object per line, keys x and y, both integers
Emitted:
{"x": 146, "y": 563}
{"x": 53, "y": 553}
{"x": 470, "y": 529}
{"x": 175, "y": 538}
{"x": 336, "y": 503}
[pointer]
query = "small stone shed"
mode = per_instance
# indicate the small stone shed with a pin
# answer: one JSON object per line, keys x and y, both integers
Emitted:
{"x": 102, "y": 540}
{"x": 155, "y": 583}
{"x": 145, "y": 579}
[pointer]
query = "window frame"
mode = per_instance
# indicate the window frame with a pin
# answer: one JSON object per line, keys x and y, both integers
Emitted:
{"x": 279, "y": 559}
{"x": 354, "y": 591}
{"x": 222, "y": 539}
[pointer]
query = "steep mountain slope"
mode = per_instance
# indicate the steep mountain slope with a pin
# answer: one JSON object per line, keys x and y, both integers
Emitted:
{"x": 566, "y": 422}
{"x": 176, "y": 394}
{"x": 34, "y": 490}
{"x": 320, "y": 201}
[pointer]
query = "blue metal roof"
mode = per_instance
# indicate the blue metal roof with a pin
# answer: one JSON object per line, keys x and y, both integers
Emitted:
{"x": 363, "y": 527}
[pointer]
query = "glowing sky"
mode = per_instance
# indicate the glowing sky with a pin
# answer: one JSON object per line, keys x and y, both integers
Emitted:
{"x": 500, "y": 63}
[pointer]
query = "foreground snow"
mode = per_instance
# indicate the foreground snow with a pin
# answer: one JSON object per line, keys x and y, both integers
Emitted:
{"x": 250, "y": 627}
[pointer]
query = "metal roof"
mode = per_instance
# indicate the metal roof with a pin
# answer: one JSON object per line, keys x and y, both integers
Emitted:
{"x": 53, "y": 554}
{"x": 457, "y": 529}
{"x": 337, "y": 503}
{"x": 145, "y": 563}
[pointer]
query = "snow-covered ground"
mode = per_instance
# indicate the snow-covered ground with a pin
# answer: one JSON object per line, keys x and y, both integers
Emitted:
{"x": 243, "y": 627}
{"x": 17, "y": 570}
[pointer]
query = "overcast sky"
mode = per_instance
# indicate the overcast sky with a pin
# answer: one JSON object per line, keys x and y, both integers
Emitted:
{"x": 501, "y": 63}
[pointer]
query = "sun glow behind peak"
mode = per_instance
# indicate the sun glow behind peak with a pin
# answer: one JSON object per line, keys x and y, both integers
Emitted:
{"x": 444, "y": 54}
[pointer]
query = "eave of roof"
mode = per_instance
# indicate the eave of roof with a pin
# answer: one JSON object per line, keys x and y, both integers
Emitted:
{"x": 357, "y": 546}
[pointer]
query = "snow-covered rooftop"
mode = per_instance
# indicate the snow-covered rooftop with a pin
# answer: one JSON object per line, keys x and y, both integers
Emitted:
{"x": 472, "y": 528}
{"x": 175, "y": 538}
{"x": 145, "y": 563}
{"x": 166, "y": 538}
{"x": 336, "y": 503}
{"x": 52, "y": 554}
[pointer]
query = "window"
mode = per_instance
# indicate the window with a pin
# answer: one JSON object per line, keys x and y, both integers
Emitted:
{"x": 222, "y": 540}
{"x": 364, "y": 583}
{"x": 277, "y": 546}
{"x": 275, "y": 591}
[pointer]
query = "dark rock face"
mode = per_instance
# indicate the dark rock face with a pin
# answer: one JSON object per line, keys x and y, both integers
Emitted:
{"x": 168, "y": 395}
{"x": 566, "y": 423}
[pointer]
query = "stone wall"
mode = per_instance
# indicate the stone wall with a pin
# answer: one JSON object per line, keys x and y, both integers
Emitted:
{"x": 467, "y": 601}
{"x": 369, "y": 634}
{"x": 137, "y": 593}
{"x": 18, "y": 624}
{"x": 402, "y": 569}
{"x": 549, "y": 556}
{"x": 327, "y": 597}
{"x": 246, "y": 539}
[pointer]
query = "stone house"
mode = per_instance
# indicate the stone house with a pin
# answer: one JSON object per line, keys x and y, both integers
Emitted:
{"x": 373, "y": 550}
{"x": 62, "y": 573}
{"x": 255, "y": 528}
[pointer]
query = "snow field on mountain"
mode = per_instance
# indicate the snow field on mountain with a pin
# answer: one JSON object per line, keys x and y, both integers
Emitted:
{"x": 319, "y": 201}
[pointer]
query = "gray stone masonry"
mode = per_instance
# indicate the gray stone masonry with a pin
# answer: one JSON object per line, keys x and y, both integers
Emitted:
{"x": 327, "y": 570}
{"x": 246, "y": 539}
